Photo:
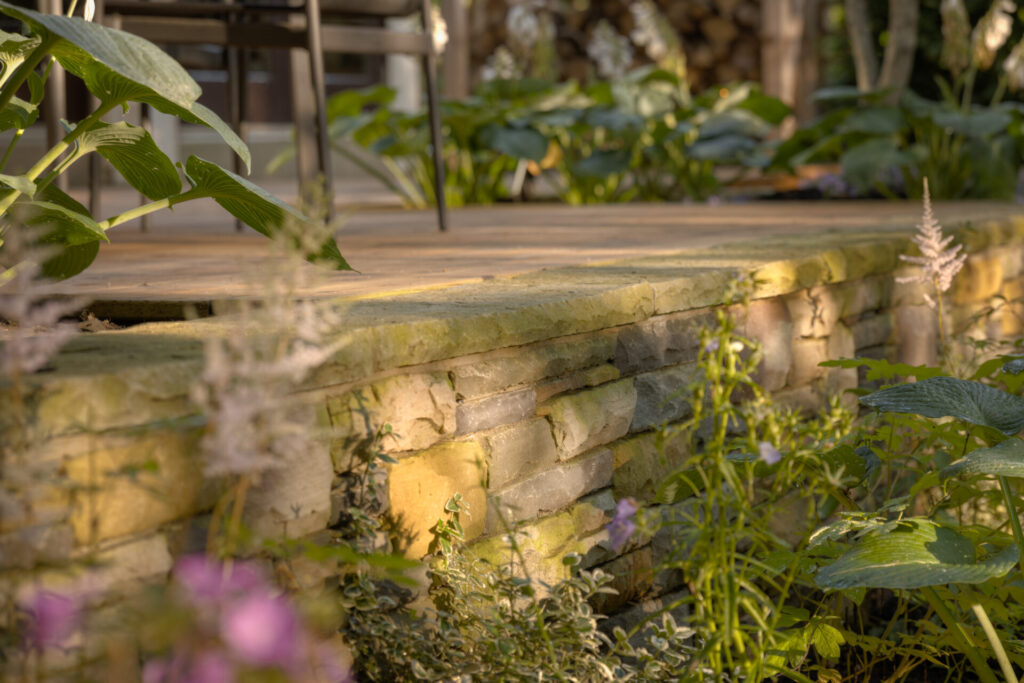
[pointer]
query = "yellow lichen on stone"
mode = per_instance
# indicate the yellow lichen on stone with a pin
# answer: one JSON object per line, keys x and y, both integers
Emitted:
{"x": 420, "y": 485}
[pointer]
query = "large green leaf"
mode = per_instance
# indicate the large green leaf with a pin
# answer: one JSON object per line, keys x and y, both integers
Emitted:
{"x": 913, "y": 554}
{"x": 734, "y": 122}
{"x": 65, "y": 225}
{"x": 602, "y": 164}
{"x": 70, "y": 259}
{"x": 771, "y": 109}
{"x": 254, "y": 206}
{"x": 721, "y": 148}
{"x": 68, "y": 229}
{"x": 874, "y": 120}
{"x": 518, "y": 143}
{"x": 118, "y": 66}
{"x": 1005, "y": 459}
{"x": 132, "y": 151}
{"x": 978, "y": 123}
{"x": 18, "y": 114}
{"x": 14, "y": 48}
{"x": 972, "y": 402}
{"x": 868, "y": 162}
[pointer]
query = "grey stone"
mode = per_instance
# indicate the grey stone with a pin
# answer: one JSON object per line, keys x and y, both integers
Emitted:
{"x": 918, "y": 333}
{"x": 857, "y": 297}
{"x": 662, "y": 396}
{"x": 40, "y": 544}
{"x": 591, "y": 377}
{"x": 551, "y": 490}
{"x": 500, "y": 370}
{"x": 660, "y": 341}
{"x": 872, "y": 330}
{"x": 807, "y": 355}
{"x": 768, "y": 321}
{"x": 813, "y": 311}
{"x": 419, "y": 407}
{"x": 591, "y": 417}
{"x": 515, "y": 451}
{"x": 491, "y": 411}
{"x": 292, "y": 501}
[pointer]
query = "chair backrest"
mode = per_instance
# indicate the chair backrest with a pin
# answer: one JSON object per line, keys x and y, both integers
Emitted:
{"x": 376, "y": 8}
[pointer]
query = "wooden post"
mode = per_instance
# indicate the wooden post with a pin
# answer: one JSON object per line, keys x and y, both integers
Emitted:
{"x": 455, "y": 68}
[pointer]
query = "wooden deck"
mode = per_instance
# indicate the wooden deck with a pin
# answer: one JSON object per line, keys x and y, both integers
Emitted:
{"x": 194, "y": 255}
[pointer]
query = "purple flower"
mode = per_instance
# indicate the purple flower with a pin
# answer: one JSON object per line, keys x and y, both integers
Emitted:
{"x": 262, "y": 630}
{"x": 205, "y": 581}
{"x": 205, "y": 666}
{"x": 623, "y": 524}
{"x": 54, "y": 618}
{"x": 711, "y": 346}
{"x": 768, "y": 453}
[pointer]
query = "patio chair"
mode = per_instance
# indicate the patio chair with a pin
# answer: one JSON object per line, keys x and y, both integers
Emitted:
{"x": 295, "y": 25}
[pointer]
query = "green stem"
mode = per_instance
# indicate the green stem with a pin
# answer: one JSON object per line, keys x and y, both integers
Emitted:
{"x": 145, "y": 209}
{"x": 997, "y": 645}
{"x": 10, "y": 148}
{"x": 981, "y": 667}
{"x": 54, "y": 153}
{"x": 1011, "y": 509}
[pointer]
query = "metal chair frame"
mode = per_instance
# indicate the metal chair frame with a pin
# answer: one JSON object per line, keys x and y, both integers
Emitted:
{"x": 243, "y": 24}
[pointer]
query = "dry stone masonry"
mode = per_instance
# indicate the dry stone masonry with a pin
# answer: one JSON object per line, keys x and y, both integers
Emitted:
{"x": 537, "y": 398}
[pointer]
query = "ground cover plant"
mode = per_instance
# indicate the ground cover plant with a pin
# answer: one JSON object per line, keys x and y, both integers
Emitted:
{"x": 118, "y": 69}
{"x": 640, "y": 137}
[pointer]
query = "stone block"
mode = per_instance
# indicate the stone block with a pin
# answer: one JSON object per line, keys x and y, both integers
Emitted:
{"x": 807, "y": 356}
{"x": 581, "y": 379}
{"x": 1011, "y": 259}
{"x": 768, "y": 321}
{"x": 813, "y": 311}
{"x": 980, "y": 279}
{"x": 550, "y": 490}
{"x": 633, "y": 579}
{"x": 857, "y": 297}
{"x": 1013, "y": 308}
{"x": 492, "y": 411}
{"x": 129, "y": 483}
{"x": 419, "y": 407}
{"x": 518, "y": 450}
{"x": 872, "y": 330}
{"x": 294, "y": 500}
{"x": 805, "y": 399}
{"x": 591, "y": 417}
{"x": 420, "y": 485}
{"x": 660, "y": 341}
{"x": 118, "y": 569}
{"x": 643, "y": 461}
{"x": 838, "y": 381}
{"x": 918, "y": 333}
{"x": 35, "y": 545}
{"x": 696, "y": 287}
{"x": 662, "y": 396}
{"x": 499, "y": 370}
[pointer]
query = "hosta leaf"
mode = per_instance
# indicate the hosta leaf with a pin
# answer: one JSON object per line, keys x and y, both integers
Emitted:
{"x": 253, "y": 205}
{"x": 67, "y": 226}
{"x": 972, "y": 402}
{"x": 914, "y": 554}
{"x": 132, "y": 151}
{"x": 874, "y": 120}
{"x": 1015, "y": 366}
{"x": 518, "y": 143}
{"x": 602, "y": 164}
{"x": 19, "y": 183}
{"x": 884, "y": 369}
{"x": 721, "y": 148}
{"x": 18, "y": 114}
{"x": 1005, "y": 459}
{"x": 116, "y": 65}
{"x": 70, "y": 260}
{"x": 13, "y": 50}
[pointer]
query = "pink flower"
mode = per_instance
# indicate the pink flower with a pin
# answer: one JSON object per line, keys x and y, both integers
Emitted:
{"x": 262, "y": 630}
{"x": 623, "y": 526}
{"x": 204, "y": 580}
{"x": 53, "y": 618}
{"x": 205, "y": 666}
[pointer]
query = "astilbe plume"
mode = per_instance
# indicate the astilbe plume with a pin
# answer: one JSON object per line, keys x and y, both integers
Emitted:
{"x": 939, "y": 264}
{"x": 249, "y": 373}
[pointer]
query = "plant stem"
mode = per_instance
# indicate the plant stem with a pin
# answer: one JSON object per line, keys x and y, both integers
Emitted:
{"x": 1011, "y": 509}
{"x": 976, "y": 659}
{"x": 54, "y": 153}
{"x": 997, "y": 645}
{"x": 139, "y": 211}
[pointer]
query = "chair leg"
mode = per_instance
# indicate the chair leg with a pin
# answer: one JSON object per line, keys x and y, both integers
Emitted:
{"x": 434, "y": 108}
{"x": 236, "y": 106}
{"x": 318, "y": 79}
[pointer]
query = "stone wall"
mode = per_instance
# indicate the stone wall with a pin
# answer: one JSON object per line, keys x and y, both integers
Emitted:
{"x": 535, "y": 397}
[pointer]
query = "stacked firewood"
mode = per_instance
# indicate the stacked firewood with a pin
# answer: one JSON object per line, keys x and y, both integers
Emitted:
{"x": 720, "y": 38}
